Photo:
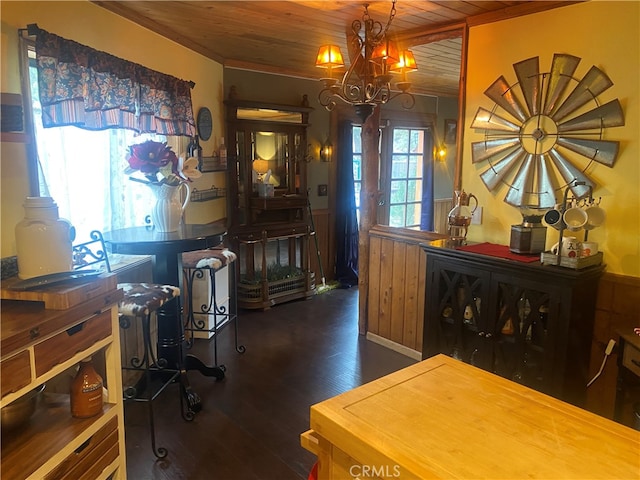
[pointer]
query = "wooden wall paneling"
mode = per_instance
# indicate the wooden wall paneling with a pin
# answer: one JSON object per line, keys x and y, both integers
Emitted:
{"x": 412, "y": 295}
{"x": 399, "y": 290}
{"x": 386, "y": 282}
{"x": 422, "y": 286}
{"x": 616, "y": 309}
{"x": 373, "y": 316}
{"x": 397, "y": 281}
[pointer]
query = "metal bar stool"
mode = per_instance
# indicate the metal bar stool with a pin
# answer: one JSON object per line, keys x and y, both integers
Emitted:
{"x": 216, "y": 307}
{"x": 139, "y": 302}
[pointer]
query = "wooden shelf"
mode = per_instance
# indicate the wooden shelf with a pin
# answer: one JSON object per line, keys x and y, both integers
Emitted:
{"x": 39, "y": 344}
{"x": 210, "y": 165}
{"x": 212, "y": 193}
{"x": 278, "y": 203}
{"x": 32, "y": 448}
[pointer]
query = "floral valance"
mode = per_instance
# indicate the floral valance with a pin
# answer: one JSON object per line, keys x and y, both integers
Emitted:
{"x": 94, "y": 90}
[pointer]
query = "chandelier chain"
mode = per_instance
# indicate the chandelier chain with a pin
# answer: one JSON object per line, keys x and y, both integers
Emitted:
{"x": 392, "y": 15}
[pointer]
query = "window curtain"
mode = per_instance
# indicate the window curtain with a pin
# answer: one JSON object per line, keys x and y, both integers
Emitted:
{"x": 426, "y": 212}
{"x": 346, "y": 218}
{"x": 94, "y": 90}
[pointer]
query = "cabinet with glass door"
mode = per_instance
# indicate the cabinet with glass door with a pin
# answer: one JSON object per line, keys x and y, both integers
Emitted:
{"x": 267, "y": 201}
{"x": 527, "y": 322}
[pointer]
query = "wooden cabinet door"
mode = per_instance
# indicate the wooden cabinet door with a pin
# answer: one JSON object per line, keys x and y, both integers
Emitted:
{"x": 456, "y": 309}
{"x": 526, "y": 325}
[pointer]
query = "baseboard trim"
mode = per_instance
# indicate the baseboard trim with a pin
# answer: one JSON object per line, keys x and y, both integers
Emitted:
{"x": 385, "y": 342}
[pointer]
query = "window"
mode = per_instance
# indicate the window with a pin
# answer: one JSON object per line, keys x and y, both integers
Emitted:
{"x": 407, "y": 184}
{"x": 407, "y": 159}
{"x": 83, "y": 171}
{"x": 357, "y": 166}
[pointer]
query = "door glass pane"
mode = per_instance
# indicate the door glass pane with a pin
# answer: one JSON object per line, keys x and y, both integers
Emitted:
{"x": 417, "y": 141}
{"x": 413, "y": 215}
{"x": 400, "y": 140}
{"x": 396, "y": 215}
{"x": 414, "y": 190}
{"x": 357, "y": 166}
{"x": 415, "y": 166}
{"x": 398, "y": 191}
{"x": 399, "y": 167}
{"x": 357, "y": 141}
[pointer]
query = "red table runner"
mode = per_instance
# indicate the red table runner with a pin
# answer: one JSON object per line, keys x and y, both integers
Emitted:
{"x": 501, "y": 251}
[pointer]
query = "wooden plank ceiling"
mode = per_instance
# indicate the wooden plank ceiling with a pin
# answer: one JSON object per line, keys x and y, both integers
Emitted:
{"x": 283, "y": 37}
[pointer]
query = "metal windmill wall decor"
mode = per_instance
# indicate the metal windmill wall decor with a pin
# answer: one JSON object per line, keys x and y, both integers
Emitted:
{"x": 540, "y": 147}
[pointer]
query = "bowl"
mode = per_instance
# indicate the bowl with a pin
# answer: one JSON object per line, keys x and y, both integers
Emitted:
{"x": 18, "y": 412}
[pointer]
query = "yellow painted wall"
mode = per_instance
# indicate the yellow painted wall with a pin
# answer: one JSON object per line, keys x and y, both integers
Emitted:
{"x": 95, "y": 27}
{"x": 602, "y": 33}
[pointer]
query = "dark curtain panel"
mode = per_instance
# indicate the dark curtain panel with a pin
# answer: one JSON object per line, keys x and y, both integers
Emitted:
{"x": 346, "y": 219}
{"x": 426, "y": 211}
{"x": 94, "y": 90}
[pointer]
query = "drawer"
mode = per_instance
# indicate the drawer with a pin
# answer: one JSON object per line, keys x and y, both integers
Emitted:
{"x": 66, "y": 344}
{"x": 15, "y": 373}
{"x": 92, "y": 457}
{"x": 631, "y": 358}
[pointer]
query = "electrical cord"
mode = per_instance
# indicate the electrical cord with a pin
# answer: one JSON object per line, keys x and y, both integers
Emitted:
{"x": 607, "y": 352}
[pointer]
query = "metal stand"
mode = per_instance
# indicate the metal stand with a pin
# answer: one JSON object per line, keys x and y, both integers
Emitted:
{"x": 157, "y": 376}
{"x": 563, "y": 225}
{"x": 222, "y": 315}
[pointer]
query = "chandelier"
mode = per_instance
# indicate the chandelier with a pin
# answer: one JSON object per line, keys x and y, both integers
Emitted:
{"x": 375, "y": 59}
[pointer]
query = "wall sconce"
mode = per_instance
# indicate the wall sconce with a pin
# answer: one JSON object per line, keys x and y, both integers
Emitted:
{"x": 441, "y": 152}
{"x": 326, "y": 151}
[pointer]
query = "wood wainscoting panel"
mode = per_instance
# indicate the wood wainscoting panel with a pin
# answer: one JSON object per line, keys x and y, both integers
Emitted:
{"x": 616, "y": 310}
{"x": 397, "y": 276}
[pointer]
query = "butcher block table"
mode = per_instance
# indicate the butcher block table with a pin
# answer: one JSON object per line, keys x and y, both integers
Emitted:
{"x": 442, "y": 418}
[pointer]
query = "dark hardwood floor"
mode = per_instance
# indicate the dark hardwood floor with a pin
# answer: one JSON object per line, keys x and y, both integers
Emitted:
{"x": 297, "y": 354}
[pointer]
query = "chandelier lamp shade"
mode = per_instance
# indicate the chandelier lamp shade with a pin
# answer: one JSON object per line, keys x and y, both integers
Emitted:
{"x": 374, "y": 62}
{"x": 405, "y": 64}
{"x": 329, "y": 57}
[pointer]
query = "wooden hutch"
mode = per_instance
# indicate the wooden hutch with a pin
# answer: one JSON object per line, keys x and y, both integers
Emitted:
{"x": 268, "y": 205}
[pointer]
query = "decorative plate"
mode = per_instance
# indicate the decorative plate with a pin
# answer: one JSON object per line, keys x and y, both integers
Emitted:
{"x": 204, "y": 123}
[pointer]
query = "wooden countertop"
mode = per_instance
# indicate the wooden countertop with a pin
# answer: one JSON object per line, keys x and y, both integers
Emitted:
{"x": 30, "y": 317}
{"x": 442, "y": 418}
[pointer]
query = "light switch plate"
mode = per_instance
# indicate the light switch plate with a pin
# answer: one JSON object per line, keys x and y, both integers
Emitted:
{"x": 476, "y": 216}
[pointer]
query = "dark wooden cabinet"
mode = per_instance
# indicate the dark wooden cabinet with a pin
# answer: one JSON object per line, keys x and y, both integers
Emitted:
{"x": 267, "y": 201}
{"x": 528, "y": 322}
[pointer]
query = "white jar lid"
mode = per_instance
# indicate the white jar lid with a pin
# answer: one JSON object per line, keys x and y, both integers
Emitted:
{"x": 39, "y": 202}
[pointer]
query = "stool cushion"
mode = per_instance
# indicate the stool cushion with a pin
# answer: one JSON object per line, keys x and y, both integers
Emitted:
{"x": 214, "y": 258}
{"x": 142, "y": 298}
